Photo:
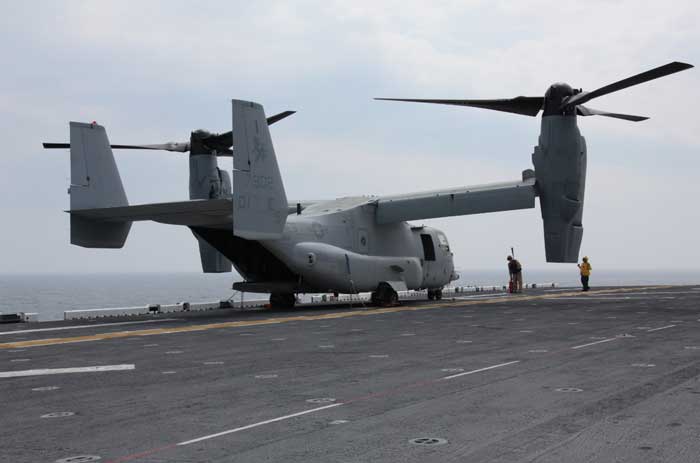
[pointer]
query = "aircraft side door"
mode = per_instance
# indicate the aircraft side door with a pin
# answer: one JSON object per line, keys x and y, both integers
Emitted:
{"x": 429, "y": 263}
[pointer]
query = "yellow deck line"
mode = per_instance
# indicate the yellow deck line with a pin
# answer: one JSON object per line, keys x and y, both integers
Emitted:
{"x": 272, "y": 321}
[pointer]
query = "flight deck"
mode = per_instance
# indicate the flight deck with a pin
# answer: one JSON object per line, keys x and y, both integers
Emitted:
{"x": 549, "y": 375}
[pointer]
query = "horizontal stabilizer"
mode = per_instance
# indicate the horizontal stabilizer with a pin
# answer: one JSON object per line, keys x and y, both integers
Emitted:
{"x": 197, "y": 212}
{"x": 215, "y": 213}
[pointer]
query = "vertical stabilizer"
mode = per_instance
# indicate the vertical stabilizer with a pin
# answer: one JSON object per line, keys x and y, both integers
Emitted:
{"x": 259, "y": 200}
{"x": 95, "y": 183}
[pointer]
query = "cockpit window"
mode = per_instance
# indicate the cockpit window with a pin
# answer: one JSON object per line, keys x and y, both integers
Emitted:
{"x": 442, "y": 239}
{"x": 428, "y": 248}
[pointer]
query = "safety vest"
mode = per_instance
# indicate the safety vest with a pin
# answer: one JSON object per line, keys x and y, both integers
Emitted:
{"x": 585, "y": 269}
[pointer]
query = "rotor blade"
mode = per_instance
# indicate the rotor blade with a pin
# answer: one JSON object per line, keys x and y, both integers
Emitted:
{"x": 661, "y": 71}
{"x": 172, "y": 146}
{"x": 49, "y": 146}
{"x": 584, "y": 111}
{"x": 224, "y": 139}
{"x": 526, "y": 105}
{"x": 278, "y": 117}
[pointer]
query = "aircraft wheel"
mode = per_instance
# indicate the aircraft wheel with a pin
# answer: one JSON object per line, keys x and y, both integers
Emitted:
{"x": 282, "y": 301}
{"x": 431, "y": 295}
{"x": 393, "y": 298}
{"x": 386, "y": 295}
{"x": 438, "y": 294}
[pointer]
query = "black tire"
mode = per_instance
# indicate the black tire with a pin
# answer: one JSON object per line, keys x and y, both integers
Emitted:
{"x": 393, "y": 298}
{"x": 431, "y": 295}
{"x": 282, "y": 300}
{"x": 386, "y": 295}
{"x": 438, "y": 294}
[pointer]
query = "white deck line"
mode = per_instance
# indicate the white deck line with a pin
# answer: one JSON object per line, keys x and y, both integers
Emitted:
{"x": 78, "y": 327}
{"x": 660, "y": 328}
{"x": 481, "y": 369}
{"x": 590, "y": 298}
{"x": 593, "y": 343}
{"x": 260, "y": 423}
{"x": 59, "y": 371}
{"x": 479, "y": 296}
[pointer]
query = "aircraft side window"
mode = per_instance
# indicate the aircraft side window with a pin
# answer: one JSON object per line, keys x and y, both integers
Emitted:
{"x": 443, "y": 241}
{"x": 428, "y": 247}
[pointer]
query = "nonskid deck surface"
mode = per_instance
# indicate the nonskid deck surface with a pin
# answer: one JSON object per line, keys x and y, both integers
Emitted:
{"x": 551, "y": 376}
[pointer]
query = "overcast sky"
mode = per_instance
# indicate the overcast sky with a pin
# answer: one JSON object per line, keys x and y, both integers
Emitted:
{"x": 152, "y": 71}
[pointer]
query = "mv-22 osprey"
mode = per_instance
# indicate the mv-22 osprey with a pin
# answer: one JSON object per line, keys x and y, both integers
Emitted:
{"x": 346, "y": 245}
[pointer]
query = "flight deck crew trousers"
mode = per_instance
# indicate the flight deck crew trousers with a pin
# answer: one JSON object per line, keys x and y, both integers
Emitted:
{"x": 517, "y": 282}
{"x": 584, "y": 282}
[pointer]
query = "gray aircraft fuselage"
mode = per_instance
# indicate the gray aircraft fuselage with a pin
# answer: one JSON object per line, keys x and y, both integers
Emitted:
{"x": 337, "y": 246}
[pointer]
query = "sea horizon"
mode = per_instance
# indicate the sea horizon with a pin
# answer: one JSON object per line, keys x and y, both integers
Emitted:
{"x": 51, "y": 294}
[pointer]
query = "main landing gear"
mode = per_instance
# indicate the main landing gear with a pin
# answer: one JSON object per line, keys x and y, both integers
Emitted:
{"x": 282, "y": 300}
{"x": 385, "y": 296}
{"x": 435, "y": 294}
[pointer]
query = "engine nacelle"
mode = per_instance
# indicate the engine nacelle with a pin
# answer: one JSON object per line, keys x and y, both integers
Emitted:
{"x": 207, "y": 181}
{"x": 560, "y": 170}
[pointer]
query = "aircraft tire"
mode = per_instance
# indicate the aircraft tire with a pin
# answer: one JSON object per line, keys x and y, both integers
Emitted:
{"x": 282, "y": 300}
{"x": 386, "y": 296}
{"x": 393, "y": 297}
{"x": 438, "y": 294}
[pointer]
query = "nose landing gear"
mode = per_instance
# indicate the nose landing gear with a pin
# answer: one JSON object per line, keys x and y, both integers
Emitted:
{"x": 435, "y": 294}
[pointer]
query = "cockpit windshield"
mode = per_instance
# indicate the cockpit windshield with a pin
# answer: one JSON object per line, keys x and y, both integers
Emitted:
{"x": 442, "y": 240}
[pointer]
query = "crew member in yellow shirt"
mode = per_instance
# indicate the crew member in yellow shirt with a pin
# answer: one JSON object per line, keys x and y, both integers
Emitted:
{"x": 585, "y": 268}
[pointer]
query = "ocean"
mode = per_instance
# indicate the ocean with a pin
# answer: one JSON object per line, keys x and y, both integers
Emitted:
{"x": 50, "y": 295}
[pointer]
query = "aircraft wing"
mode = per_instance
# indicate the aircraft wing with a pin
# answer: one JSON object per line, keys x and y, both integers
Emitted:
{"x": 197, "y": 212}
{"x": 478, "y": 199}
